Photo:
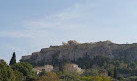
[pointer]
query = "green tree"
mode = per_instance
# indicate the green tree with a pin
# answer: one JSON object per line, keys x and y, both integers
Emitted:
{"x": 121, "y": 78}
{"x": 96, "y": 78}
{"x": 13, "y": 59}
{"x": 68, "y": 76}
{"x": 42, "y": 73}
{"x": 101, "y": 78}
{"x": 89, "y": 78}
{"x": 24, "y": 68}
{"x": 6, "y": 73}
{"x": 48, "y": 77}
{"x": 115, "y": 73}
{"x": 19, "y": 76}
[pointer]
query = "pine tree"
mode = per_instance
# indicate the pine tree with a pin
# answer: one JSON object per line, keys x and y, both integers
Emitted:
{"x": 6, "y": 73}
{"x": 13, "y": 59}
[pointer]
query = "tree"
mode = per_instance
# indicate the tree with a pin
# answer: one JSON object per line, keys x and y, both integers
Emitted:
{"x": 19, "y": 76}
{"x": 42, "y": 73}
{"x": 13, "y": 59}
{"x": 120, "y": 77}
{"x": 115, "y": 72}
{"x": 48, "y": 77}
{"x": 68, "y": 76}
{"x": 85, "y": 62}
{"x": 24, "y": 68}
{"x": 89, "y": 78}
{"x": 6, "y": 73}
{"x": 96, "y": 78}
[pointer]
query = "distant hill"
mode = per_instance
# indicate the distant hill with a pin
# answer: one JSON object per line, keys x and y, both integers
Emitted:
{"x": 80, "y": 53}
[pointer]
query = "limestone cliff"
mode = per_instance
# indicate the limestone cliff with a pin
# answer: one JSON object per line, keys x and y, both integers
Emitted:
{"x": 72, "y": 51}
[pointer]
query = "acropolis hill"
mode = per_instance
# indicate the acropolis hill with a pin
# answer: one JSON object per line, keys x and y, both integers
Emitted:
{"x": 72, "y": 51}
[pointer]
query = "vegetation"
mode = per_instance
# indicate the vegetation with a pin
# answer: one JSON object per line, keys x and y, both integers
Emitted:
{"x": 6, "y": 73}
{"x": 25, "y": 68}
{"x": 96, "y": 78}
{"x": 120, "y": 66}
{"x": 13, "y": 59}
{"x": 18, "y": 75}
{"x": 23, "y": 72}
{"x": 48, "y": 77}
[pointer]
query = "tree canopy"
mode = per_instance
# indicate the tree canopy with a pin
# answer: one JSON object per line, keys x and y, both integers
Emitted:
{"x": 24, "y": 68}
{"x": 6, "y": 73}
{"x": 13, "y": 59}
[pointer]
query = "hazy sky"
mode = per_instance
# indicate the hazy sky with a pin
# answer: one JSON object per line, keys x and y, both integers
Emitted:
{"x": 26, "y": 26}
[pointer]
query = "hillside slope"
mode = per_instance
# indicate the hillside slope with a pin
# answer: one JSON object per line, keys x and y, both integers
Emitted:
{"x": 74, "y": 51}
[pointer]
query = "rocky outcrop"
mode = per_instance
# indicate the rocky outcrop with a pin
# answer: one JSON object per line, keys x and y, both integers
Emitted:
{"x": 73, "y": 50}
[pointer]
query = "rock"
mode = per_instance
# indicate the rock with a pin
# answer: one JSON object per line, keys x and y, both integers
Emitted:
{"x": 72, "y": 51}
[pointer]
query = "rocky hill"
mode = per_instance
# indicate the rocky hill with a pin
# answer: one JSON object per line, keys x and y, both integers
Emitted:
{"x": 73, "y": 51}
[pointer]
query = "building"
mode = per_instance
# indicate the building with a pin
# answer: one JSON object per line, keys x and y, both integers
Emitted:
{"x": 47, "y": 68}
{"x": 73, "y": 68}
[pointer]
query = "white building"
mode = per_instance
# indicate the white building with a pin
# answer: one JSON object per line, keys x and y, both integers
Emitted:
{"x": 73, "y": 68}
{"x": 47, "y": 68}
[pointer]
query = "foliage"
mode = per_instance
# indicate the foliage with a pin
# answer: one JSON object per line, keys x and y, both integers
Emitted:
{"x": 48, "y": 77}
{"x": 13, "y": 59}
{"x": 24, "y": 68}
{"x": 85, "y": 62}
{"x": 101, "y": 60}
{"x": 96, "y": 78}
{"x": 19, "y": 76}
{"x": 90, "y": 72}
{"x": 42, "y": 73}
{"x": 133, "y": 78}
{"x": 89, "y": 78}
{"x": 67, "y": 76}
{"x": 6, "y": 73}
{"x": 121, "y": 78}
{"x": 115, "y": 72}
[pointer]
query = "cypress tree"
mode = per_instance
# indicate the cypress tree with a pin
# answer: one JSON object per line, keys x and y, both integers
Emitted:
{"x": 115, "y": 72}
{"x": 13, "y": 59}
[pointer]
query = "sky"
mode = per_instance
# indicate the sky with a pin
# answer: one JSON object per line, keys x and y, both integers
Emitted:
{"x": 26, "y": 26}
